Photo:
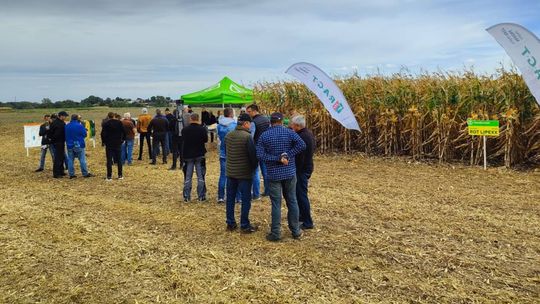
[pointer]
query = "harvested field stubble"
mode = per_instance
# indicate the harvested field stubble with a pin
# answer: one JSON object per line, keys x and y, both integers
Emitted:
{"x": 387, "y": 230}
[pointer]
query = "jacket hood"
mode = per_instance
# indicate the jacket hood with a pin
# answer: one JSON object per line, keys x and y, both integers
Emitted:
{"x": 226, "y": 121}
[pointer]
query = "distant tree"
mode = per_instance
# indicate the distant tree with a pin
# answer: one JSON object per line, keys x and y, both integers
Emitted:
{"x": 68, "y": 103}
{"x": 46, "y": 103}
{"x": 160, "y": 101}
{"x": 91, "y": 101}
{"x": 120, "y": 102}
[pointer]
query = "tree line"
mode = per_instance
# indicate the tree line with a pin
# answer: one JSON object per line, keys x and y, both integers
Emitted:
{"x": 90, "y": 101}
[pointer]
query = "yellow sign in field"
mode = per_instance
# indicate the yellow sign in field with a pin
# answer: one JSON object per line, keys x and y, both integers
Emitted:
{"x": 483, "y": 127}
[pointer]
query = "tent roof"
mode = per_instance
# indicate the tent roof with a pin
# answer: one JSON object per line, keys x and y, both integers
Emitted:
{"x": 224, "y": 92}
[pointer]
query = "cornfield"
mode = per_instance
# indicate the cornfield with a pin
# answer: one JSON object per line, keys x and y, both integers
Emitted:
{"x": 422, "y": 116}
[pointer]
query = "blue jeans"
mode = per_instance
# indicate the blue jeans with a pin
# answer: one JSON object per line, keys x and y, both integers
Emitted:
{"x": 194, "y": 164}
{"x": 43, "y": 155}
{"x": 127, "y": 151}
{"x": 222, "y": 182}
{"x": 256, "y": 183}
{"x": 234, "y": 186}
{"x": 302, "y": 180}
{"x": 265, "y": 180}
{"x": 288, "y": 187}
{"x": 76, "y": 152}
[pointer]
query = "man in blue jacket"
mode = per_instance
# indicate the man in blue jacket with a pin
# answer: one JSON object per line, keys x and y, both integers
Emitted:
{"x": 75, "y": 136}
{"x": 226, "y": 124}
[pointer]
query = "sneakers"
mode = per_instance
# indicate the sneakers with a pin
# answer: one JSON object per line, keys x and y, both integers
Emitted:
{"x": 108, "y": 179}
{"x": 120, "y": 177}
{"x": 72, "y": 176}
{"x": 272, "y": 238}
{"x": 249, "y": 229}
{"x": 256, "y": 198}
{"x": 298, "y": 236}
{"x": 231, "y": 227}
{"x": 88, "y": 175}
{"x": 221, "y": 201}
{"x": 153, "y": 163}
{"x": 39, "y": 170}
{"x": 202, "y": 199}
{"x": 172, "y": 168}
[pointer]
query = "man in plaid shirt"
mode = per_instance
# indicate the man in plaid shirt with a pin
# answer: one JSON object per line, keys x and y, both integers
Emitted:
{"x": 277, "y": 148}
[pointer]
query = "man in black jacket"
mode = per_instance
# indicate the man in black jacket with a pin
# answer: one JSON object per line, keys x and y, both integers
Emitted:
{"x": 304, "y": 169}
{"x": 43, "y": 132}
{"x": 57, "y": 136}
{"x": 113, "y": 135}
{"x": 171, "y": 120}
{"x": 193, "y": 152}
{"x": 158, "y": 127}
{"x": 262, "y": 123}
{"x": 179, "y": 124}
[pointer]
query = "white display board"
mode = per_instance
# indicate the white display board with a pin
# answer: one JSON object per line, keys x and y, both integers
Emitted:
{"x": 31, "y": 136}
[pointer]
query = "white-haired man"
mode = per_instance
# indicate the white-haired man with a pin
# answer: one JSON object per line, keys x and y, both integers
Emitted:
{"x": 127, "y": 145}
{"x": 304, "y": 169}
{"x": 142, "y": 128}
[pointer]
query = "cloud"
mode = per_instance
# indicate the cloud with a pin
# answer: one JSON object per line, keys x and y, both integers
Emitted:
{"x": 66, "y": 49}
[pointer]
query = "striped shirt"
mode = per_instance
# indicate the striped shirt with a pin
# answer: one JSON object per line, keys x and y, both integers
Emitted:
{"x": 272, "y": 143}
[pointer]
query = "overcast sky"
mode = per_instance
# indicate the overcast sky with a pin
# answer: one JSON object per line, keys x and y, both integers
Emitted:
{"x": 66, "y": 49}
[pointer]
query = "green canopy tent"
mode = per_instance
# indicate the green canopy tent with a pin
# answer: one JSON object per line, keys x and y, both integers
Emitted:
{"x": 224, "y": 92}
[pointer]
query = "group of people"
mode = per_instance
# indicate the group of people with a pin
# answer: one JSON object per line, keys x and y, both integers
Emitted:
{"x": 65, "y": 143}
{"x": 250, "y": 145}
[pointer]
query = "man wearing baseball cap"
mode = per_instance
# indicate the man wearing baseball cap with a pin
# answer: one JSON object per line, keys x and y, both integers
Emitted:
{"x": 57, "y": 136}
{"x": 241, "y": 161}
{"x": 277, "y": 148}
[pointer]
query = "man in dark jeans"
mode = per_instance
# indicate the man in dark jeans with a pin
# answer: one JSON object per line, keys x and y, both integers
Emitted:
{"x": 193, "y": 152}
{"x": 261, "y": 125}
{"x": 241, "y": 161}
{"x": 113, "y": 135}
{"x": 304, "y": 169}
{"x": 142, "y": 128}
{"x": 57, "y": 135}
{"x": 45, "y": 142}
{"x": 170, "y": 119}
{"x": 158, "y": 127}
{"x": 277, "y": 148}
{"x": 177, "y": 136}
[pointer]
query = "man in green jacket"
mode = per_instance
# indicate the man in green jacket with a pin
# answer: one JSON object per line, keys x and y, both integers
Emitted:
{"x": 241, "y": 161}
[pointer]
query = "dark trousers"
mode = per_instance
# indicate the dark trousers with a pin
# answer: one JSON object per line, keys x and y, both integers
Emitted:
{"x": 302, "y": 180}
{"x": 142, "y": 137}
{"x": 59, "y": 156}
{"x": 114, "y": 154}
{"x": 157, "y": 140}
{"x": 177, "y": 150}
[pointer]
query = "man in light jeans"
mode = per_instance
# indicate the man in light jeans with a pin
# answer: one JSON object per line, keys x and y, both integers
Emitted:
{"x": 75, "y": 136}
{"x": 199, "y": 166}
{"x": 277, "y": 148}
{"x": 127, "y": 145}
